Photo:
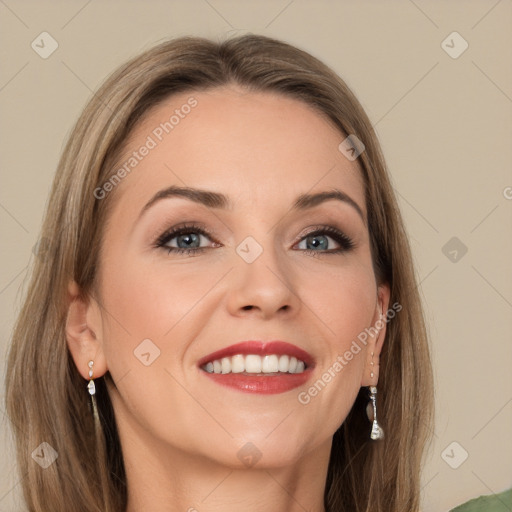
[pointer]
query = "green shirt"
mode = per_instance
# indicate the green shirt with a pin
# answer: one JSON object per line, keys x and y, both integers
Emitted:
{"x": 501, "y": 502}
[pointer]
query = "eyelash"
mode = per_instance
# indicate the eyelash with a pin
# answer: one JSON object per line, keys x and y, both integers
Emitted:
{"x": 346, "y": 243}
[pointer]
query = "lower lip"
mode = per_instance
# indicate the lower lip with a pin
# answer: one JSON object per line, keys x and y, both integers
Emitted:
{"x": 263, "y": 385}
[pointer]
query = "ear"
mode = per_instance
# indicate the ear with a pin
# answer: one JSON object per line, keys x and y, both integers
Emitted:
{"x": 376, "y": 339}
{"x": 84, "y": 333}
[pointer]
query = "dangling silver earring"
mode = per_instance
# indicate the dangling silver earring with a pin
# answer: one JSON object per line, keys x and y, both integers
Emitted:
{"x": 92, "y": 390}
{"x": 371, "y": 411}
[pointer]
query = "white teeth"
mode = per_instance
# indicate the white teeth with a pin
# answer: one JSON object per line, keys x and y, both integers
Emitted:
{"x": 283, "y": 363}
{"x": 237, "y": 364}
{"x": 270, "y": 364}
{"x": 226, "y": 364}
{"x": 252, "y": 364}
{"x": 256, "y": 364}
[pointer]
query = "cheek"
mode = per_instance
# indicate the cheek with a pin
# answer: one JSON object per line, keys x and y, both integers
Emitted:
{"x": 343, "y": 301}
{"x": 150, "y": 299}
{"x": 152, "y": 312}
{"x": 153, "y": 300}
{"x": 344, "y": 306}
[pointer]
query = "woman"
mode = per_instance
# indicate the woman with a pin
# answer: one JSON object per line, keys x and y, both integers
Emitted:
{"x": 225, "y": 314}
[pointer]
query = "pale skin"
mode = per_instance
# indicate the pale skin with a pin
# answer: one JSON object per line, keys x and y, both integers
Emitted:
{"x": 180, "y": 432}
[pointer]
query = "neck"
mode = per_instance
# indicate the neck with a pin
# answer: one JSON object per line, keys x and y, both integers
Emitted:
{"x": 223, "y": 489}
{"x": 163, "y": 478}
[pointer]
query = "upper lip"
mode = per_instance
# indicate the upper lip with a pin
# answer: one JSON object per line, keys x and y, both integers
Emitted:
{"x": 260, "y": 348}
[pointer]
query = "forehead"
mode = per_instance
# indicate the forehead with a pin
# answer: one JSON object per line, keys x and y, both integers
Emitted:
{"x": 257, "y": 147}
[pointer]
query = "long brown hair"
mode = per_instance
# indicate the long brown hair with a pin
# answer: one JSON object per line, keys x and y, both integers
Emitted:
{"x": 46, "y": 397}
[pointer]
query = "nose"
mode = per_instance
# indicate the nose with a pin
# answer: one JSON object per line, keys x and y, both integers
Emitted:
{"x": 265, "y": 287}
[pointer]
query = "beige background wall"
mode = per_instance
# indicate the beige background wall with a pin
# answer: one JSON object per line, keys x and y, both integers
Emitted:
{"x": 446, "y": 128}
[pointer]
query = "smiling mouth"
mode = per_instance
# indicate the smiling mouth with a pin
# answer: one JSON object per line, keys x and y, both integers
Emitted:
{"x": 264, "y": 368}
{"x": 256, "y": 365}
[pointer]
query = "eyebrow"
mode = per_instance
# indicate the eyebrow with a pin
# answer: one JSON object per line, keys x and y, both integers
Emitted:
{"x": 217, "y": 200}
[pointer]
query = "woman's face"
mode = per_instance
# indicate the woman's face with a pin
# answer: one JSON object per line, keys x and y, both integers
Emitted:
{"x": 246, "y": 270}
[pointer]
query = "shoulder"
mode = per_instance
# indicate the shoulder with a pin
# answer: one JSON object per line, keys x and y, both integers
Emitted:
{"x": 501, "y": 502}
